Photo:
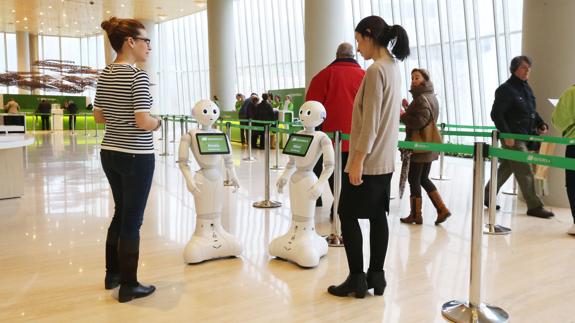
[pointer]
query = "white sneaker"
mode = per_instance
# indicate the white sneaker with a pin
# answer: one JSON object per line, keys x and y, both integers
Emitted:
{"x": 571, "y": 230}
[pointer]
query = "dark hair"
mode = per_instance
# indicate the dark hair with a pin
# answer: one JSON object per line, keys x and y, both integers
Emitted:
{"x": 120, "y": 29}
{"x": 265, "y": 96}
{"x": 421, "y": 71}
{"x": 517, "y": 60}
{"x": 382, "y": 34}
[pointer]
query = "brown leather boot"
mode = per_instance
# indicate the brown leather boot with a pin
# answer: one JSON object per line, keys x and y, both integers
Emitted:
{"x": 415, "y": 212}
{"x": 442, "y": 211}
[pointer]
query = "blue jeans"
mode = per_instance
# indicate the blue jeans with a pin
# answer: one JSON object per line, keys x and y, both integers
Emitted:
{"x": 130, "y": 177}
{"x": 570, "y": 180}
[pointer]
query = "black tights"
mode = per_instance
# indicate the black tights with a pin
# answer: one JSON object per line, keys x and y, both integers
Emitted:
{"x": 353, "y": 242}
{"x": 419, "y": 177}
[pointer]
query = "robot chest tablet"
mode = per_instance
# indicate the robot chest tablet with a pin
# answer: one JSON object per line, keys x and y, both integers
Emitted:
{"x": 212, "y": 144}
{"x": 299, "y": 145}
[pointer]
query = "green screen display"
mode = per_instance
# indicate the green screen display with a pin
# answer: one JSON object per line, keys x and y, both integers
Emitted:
{"x": 213, "y": 143}
{"x": 298, "y": 145}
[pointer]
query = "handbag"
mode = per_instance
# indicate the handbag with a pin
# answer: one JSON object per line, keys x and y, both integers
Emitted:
{"x": 427, "y": 134}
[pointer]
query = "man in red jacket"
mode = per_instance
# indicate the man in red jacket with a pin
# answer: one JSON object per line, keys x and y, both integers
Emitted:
{"x": 335, "y": 87}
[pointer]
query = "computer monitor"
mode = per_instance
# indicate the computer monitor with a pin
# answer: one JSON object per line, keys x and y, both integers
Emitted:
{"x": 213, "y": 143}
{"x": 298, "y": 145}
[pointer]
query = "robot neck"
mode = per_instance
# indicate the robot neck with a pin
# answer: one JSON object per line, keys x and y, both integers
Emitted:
{"x": 309, "y": 129}
{"x": 205, "y": 127}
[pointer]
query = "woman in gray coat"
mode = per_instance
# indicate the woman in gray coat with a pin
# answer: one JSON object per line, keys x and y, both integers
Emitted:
{"x": 423, "y": 109}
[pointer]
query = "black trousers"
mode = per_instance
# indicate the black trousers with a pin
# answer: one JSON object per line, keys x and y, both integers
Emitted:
{"x": 258, "y": 135}
{"x": 419, "y": 177}
{"x": 45, "y": 122}
{"x": 130, "y": 177}
{"x": 570, "y": 180}
{"x": 319, "y": 167}
{"x": 72, "y": 120}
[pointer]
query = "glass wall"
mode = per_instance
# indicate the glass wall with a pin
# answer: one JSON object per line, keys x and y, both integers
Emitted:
{"x": 182, "y": 63}
{"x": 454, "y": 39}
{"x": 8, "y": 58}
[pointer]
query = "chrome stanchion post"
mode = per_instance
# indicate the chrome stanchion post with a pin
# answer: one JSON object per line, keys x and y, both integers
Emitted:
{"x": 96, "y": 134}
{"x": 491, "y": 227}
{"x": 173, "y": 129}
{"x": 334, "y": 239}
{"x": 186, "y": 123}
{"x": 249, "y": 158}
{"x": 441, "y": 159}
{"x": 73, "y": 123}
{"x": 163, "y": 123}
{"x": 267, "y": 203}
{"x": 182, "y": 125}
{"x": 34, "y": 125}
{"x": 474, "y": 310}
{"x": 277, "y": 150}
{"x": 227, "y": 181}
{"x": 514, "y": 189}
{"x": 165, "y": 136}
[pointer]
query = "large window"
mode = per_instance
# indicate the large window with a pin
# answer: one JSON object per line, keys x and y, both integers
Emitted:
{"x": 8, "y": 59}
{"x": 182, "y": 63}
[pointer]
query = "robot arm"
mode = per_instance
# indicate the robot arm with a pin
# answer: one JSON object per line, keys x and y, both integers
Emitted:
{"x": 287, "y": 173}
{"x": 184, "y": 163}
{"x": 328, "y": 166}
{"x": 230, "y": 170}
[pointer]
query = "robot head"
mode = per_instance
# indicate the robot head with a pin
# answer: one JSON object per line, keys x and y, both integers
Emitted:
{"x": 206, "y": 112}
{"x": 312, "y": 114}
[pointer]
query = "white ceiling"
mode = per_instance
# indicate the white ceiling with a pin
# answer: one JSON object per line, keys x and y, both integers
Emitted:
{"x": 83, "y": 17}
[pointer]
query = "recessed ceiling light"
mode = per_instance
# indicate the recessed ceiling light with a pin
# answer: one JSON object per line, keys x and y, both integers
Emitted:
{"x": 49, "y": 29}
{"x": 75, "y": 22}
{"x": 77, "y": 31}
{"x": 42, "y": 23}
{"x": 41, "y": 13}
{"x": 13, "y": 10}
{"x": 122, "y": 5}
{"x": 107, "y": 11}
{"x": 49, "y": 7}
{"x": 92, "y": 17}
{"x": 17, "y": 21}
{"x": 25, "y": 18}
{"x": 63, "y": 15}
{"x": 26, "y": 27}
{"x": 162, "y": 17}
{"x": 181, "y": 9}
{"x": 67, "y": 25}
{"x": 41, "y": 31}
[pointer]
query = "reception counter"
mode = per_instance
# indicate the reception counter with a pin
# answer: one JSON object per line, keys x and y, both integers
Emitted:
{"x": 12, "y": 164}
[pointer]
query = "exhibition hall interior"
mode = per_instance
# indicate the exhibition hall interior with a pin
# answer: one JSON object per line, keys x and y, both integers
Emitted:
{"x": 287, "y": 160}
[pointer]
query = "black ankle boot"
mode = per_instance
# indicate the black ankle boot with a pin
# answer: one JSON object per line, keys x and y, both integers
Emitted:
{"x": 355, "y": 283}
{"x": 112, "y": 279}
{"x": 130, "y": 288}
{"x": 376, "y": 280}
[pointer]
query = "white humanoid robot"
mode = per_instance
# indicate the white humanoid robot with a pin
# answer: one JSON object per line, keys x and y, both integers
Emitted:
{"x": 301, "y": 244}
{"x": 208, "y": 146}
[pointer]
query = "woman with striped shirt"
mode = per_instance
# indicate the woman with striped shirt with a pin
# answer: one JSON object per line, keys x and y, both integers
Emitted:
{"x": 123, "y": 103}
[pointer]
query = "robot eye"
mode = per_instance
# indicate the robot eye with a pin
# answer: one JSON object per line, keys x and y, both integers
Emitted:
{"x": 214, "y": 111}
{"x": 205, "y": 111}
{"x": 300, "y": 111}
{"x": 309, "y": 112}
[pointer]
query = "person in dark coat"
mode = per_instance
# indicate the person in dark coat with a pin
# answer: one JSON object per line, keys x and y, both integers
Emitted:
{"x": 514, "y": 111}
{"x": 423, "y": 109}
{"x": 45, "y": 109}
{"x": 264, "y": 112}
{"x": 244, "y": 114}
{"x": 72, "y": 110}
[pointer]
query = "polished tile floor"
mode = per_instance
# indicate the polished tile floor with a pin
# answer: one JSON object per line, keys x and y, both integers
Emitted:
{"x": 52, "y": 253}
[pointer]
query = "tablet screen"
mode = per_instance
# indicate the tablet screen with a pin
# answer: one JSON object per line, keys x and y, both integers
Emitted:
{"x": 213, "y": 143}
{"x": 298, "y": 145}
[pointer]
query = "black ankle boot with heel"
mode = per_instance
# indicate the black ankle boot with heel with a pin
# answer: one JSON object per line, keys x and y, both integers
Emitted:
{"x": 355, "y": 283}
{"x": 112, "y": 279}
{"x": 130, "y": 288}
{"x": 376, "y": 280}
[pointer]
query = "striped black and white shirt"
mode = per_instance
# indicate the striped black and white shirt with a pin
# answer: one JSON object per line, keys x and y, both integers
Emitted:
{"x": 123, "y": 91}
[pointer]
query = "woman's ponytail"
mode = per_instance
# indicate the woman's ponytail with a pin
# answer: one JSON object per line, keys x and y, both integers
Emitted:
{"x": 401, "y": 46}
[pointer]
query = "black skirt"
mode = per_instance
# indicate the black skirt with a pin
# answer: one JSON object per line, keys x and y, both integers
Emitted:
{"x": 368, "y": 200}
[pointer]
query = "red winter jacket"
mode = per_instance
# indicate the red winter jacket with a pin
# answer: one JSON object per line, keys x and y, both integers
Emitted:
{"x": 335, "y": 87}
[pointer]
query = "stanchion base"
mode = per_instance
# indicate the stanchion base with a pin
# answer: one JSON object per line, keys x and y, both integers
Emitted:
{"x": 496, "y": 229}
{"x": 249, "y": 159}
{"x": 277, "y": 168}
{"x": 509, "y": 193}
{"x": 457, "y": 311}
{"x": 440, "y": 178}
{"x": 334, "y": 240}
{"x": 266, "y": 204}
{"x": 227, "y": 182}
{"x": 392, "y": 197}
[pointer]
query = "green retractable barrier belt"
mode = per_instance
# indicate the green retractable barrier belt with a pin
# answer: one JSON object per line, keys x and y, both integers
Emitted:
{"x": 555, "y": 140}
{"x": 448, "y": 148}
{"x": 466, "y": 133}
{"x": 531, "y": 158}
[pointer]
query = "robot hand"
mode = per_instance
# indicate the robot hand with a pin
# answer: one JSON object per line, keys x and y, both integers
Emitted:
{"x": 315, "y": 191}
{"x": 235, "y": 183}
{"x": 192, "y": 187}
{"x": 282, "y": 181}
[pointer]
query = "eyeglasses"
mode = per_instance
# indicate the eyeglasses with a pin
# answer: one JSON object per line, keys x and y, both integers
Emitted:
{"x": 147, "y": 40}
